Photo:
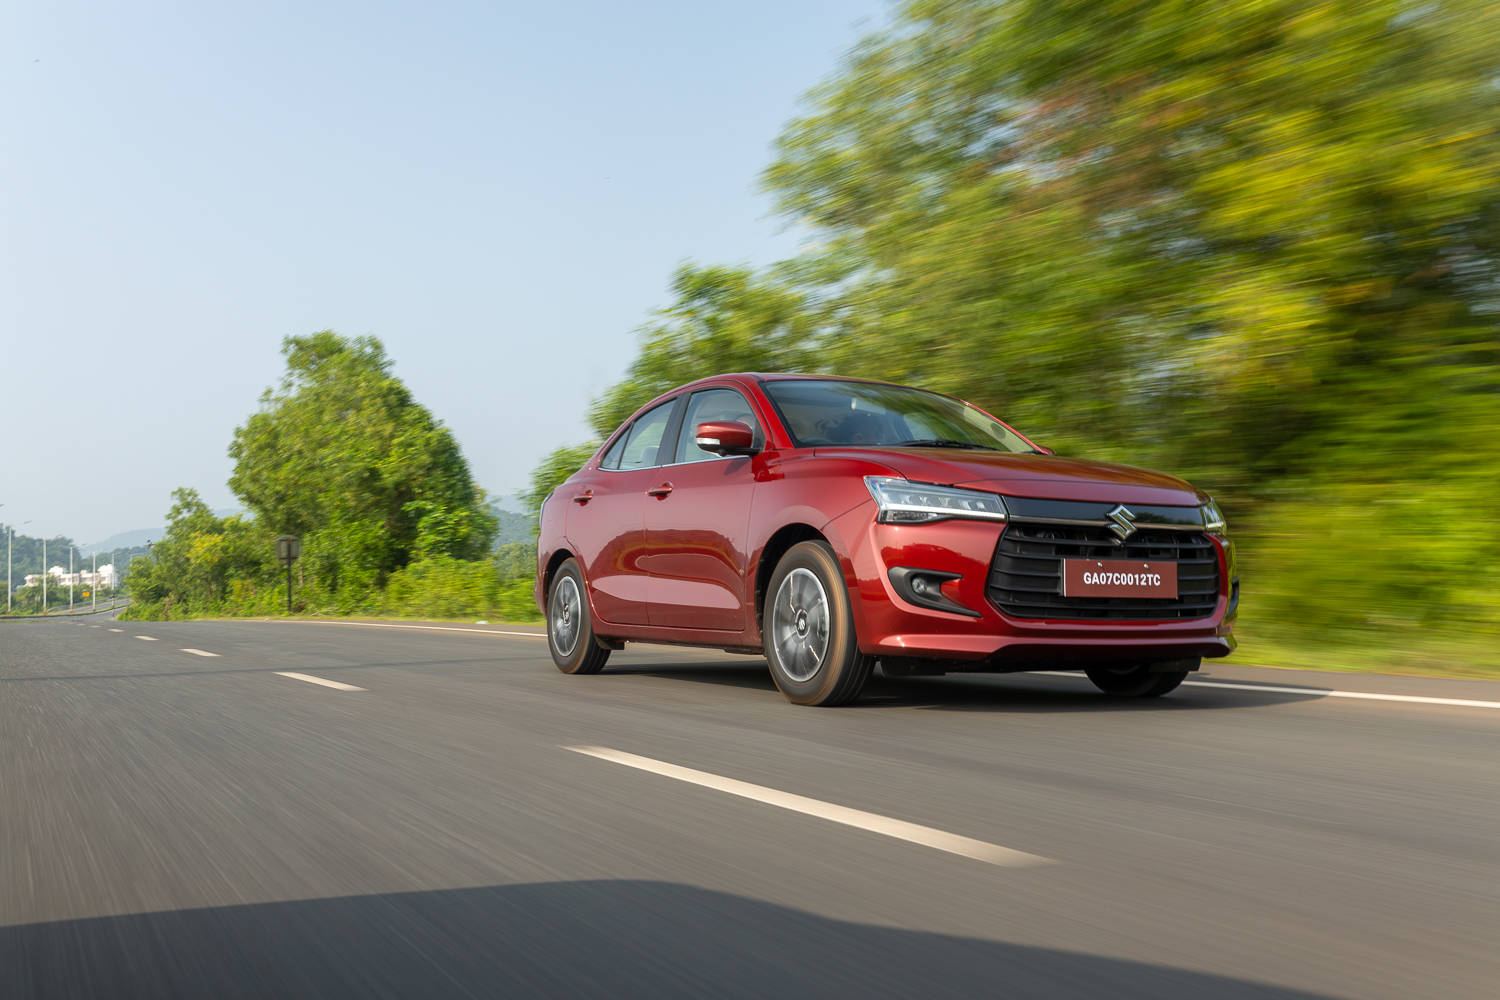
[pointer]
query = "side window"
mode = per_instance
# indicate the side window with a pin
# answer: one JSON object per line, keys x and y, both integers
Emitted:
{"x": 706, "y": 406}
{"x": 644, "y": 440}
{"x": 611, "y": 459}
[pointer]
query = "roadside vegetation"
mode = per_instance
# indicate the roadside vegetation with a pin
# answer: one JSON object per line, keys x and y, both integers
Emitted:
{"x": 1256, "y": 244}
{"x": 390, "y": 521}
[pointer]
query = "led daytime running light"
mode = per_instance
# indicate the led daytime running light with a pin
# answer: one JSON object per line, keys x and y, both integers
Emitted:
{"x": 902, "y": 501}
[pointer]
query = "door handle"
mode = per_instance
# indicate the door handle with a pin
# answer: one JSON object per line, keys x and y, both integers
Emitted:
{"x": 660, "y": 492}
{"x": 584, "y": 497}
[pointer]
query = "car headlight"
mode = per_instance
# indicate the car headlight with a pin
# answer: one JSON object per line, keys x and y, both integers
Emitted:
{"x": 1213, "y": 519}
{"x": 902, "y": 501}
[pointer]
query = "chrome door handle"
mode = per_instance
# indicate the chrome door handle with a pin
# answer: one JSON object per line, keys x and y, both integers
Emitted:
{"x": 584, "y": 497}
{"x": 660, "y": 492}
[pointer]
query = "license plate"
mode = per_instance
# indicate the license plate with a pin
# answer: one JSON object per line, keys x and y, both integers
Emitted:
{"x": 1119, "y": 578}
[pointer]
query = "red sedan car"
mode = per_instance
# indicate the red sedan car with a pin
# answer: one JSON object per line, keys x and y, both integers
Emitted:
{"x": 835, "y": 523}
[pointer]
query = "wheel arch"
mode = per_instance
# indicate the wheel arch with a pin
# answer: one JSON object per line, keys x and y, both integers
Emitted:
{"x": 557, "y": 559}
{"x": 770, "y": 554}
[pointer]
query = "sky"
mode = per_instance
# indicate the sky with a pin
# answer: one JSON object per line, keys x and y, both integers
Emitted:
{"x": 499, "y": 193}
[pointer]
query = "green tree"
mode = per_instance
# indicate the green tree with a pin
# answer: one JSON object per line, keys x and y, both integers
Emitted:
{"x": 1113, "y": 219}
{"x": 342, "y": 456}
{"x": 1257, "y": 243}
{"x": 204, "y": 564}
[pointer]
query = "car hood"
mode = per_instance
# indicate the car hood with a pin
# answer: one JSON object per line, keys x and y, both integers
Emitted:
{"x": 1027, "y": 475}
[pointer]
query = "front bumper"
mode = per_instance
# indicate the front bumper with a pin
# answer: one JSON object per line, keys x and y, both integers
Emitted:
{"x": 986, "y": 638}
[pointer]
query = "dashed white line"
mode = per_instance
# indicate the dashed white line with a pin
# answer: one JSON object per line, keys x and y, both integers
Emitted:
{"x": 1410, "y": 699}
{"x": 913, "y": 833}
{"x": 336, "y": 685}
{"x": 117, "y": 630}
{"x": 198, "y": 652}
{"x": 146, "y": 638}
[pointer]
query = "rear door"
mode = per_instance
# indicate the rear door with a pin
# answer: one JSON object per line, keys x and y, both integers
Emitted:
{"x": 605, "y": 518}
{"x": 697, "y": 521}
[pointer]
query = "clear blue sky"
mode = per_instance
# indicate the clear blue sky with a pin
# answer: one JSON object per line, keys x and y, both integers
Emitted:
{"x": 498, "y": 192}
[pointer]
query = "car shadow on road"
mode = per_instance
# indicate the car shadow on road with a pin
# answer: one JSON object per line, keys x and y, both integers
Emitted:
{"x": 563, "y": 939}
{"x": 1017, "y": 692}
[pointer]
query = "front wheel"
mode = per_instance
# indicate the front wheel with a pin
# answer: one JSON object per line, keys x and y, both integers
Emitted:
{"x": 808, "y": 629}
{"x": 570, "y": 626}
{"x": 1141, "y": 680}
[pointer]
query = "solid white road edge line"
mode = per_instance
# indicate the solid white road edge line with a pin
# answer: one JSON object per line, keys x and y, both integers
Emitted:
{"x": 873, "y": 822}
{"x": 146, "y": 638}
{"x": 1411, "y": 699}
{"x": 425, "y": 628}
{"x": 198, "y": 652}
{"x": 317, "y": 680}
{"x": 1309, "y": 692}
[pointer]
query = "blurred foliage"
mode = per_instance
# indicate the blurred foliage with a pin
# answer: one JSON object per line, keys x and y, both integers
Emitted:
{"x": 1253, "y": 242}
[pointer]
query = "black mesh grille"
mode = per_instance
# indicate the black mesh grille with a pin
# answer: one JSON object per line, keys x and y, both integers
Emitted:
{"x": 1026, "y": 577}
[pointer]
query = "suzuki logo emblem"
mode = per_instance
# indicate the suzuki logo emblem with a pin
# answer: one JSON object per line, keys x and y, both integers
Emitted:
{"x": 1124, "y": 519}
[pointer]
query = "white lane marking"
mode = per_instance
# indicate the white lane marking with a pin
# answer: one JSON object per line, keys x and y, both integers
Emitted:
{"x": 873, "y": 822}
{"x": 198, "y": 652}
{"x": 425, "y": 628}
{"x": 96, "y": 626}
{"x": 317, "y": 680}
{"x": 117, "y": 630}
{"x": 146, "y": 638}
{"x": 1410, "y": 699}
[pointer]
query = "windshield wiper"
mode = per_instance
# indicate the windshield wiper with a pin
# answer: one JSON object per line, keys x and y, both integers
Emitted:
{"x": 943, "y": 443}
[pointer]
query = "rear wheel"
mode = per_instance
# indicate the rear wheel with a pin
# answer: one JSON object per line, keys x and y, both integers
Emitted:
{"x": 1141, "y": 680}
{"x": 808, "y": 629}
{"x": 570, "y": 626}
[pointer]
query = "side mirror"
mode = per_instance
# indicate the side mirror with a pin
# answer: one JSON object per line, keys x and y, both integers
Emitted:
{"x": 725, "y": 437}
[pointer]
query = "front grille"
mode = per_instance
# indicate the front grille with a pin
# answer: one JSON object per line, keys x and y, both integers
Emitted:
{"x": 1026, "y": 577}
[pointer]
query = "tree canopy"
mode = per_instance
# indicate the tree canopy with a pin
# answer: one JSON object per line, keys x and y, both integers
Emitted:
{"x": 342, "y": 456}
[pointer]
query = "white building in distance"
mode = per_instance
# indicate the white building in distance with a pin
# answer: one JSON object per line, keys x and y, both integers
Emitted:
{"x": 60, "y": 577}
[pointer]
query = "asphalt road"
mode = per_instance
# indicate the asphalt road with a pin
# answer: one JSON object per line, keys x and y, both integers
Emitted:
{"x": 179, "y": 824}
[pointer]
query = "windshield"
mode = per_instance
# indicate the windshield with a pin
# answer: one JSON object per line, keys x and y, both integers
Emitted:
{"x": 829, "y": 412}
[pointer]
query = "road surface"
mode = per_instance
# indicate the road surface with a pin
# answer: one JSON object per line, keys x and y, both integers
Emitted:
{"x": 208, "y": 809}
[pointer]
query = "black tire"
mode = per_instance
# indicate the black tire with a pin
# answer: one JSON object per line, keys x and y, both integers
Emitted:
{"x": 817, "y": 661}
{"x": 570, "y": 624}
{"x": 1141, "y": 680}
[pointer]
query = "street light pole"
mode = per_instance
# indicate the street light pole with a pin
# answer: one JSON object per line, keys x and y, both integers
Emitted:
{"x": 70, "y": 578}
{"x": 44, "y": 576}
{"x": 95, "y": 588}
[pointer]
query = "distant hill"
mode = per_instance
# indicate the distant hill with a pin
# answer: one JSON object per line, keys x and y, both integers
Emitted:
{"x": 139, "y": 537}
{"x": 514, "y": 525}
{"x": 124, "y": 540}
